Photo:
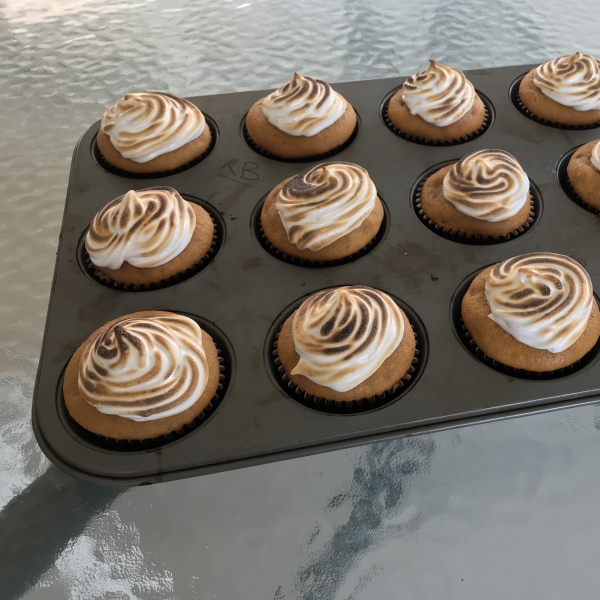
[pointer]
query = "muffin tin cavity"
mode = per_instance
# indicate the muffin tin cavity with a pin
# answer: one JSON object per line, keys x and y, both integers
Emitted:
{"x": 319, "y": 157}
{"x": 515, "y": 98}
{"x": 565, "y": 183}
{"x": 408, "y": 382}
{"x": 86, "y": 265}
{"x": 474, "y": 240}
{"x": 490, "y": 117}
{"x": 467, "y": 342}
{"x": 87, "y": 438}
{"x": 262, "y": 239}
{"x": 104, "y": 164}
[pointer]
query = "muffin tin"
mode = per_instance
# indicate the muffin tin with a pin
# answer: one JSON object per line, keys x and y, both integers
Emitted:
{"x": 245, "y": 292}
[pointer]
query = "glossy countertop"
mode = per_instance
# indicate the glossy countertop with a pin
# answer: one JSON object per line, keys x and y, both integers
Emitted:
{"x": 501, "y": 510}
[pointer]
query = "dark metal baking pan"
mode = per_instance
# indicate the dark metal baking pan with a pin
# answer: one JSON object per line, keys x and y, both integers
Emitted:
{"x": 244, "y": 289}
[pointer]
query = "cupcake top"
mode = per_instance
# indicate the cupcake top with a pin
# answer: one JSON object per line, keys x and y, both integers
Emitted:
{"x": 145, "y": 368}
{"x": 343, "y": 335}
{"x": 439, "y": 95}
{"x": 324, "y": 203}
{"x": 144, "y": 125}
{"x": 595, "y": 158}
{"x": 146, "y": 228}
{"x": 544, "y": 300}
{"x": 571, "y": 81}
{"x": 489, "y": 185}
{"x": 303, "y": 106}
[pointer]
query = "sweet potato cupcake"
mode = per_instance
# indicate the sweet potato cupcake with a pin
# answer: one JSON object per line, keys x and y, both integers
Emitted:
{"x": 346, "y": 344}
{"x": 583, "y": 171}
{"x": 303, "y": 118}
{"x": 327, "y": 212}
{"x": 149, "y": 132}
{"x": 142, "y": 376}
{"x": 535, "y": 312}
{"x": 437, "y": 105}
{"x": 148, "y": 236}
{"x": 564, "y": 91}
{"x": 485, "y": 194}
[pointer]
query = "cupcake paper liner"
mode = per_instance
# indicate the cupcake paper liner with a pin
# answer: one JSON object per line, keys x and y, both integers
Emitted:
{"x": 487, "y": 123}
{"x": 152, "y": 443}
{"x": 516, "y": 100}
{"x": 91, "y": 271}
{"x": 470, "y": 345}
{"x": 316, "y": 157}
{"x": 292, "y": 260}
{"x": 343, "y": 407}
{"x": 567, "y": 187}
{"x": 122, "y": 173}
{"x": 474, "y": 240}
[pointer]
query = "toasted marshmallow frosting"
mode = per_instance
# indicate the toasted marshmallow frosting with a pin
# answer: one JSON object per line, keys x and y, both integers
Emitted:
{"x": 303, "y": 106}
{"x": 489, "y": 185}
{"x": 595, "y": 158}
{"x": 544, "y": 300}
{"x": 343, "y": 335}
{"x": 145, "y": 125}
{"x": 147, "y": 228}
{"x": 325, "y": 203}
{"x": 145, "y": 368}
{"x": 571, "y": 81}
{"x": 439, "y": 95}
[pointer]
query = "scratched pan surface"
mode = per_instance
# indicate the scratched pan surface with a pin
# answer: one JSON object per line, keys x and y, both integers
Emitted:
{"x": 244, "y": 289}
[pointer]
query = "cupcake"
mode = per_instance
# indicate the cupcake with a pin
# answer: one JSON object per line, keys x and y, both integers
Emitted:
{"x": 565, "y": 91}
{"x": 149, "y": 132}
{"x": 148, "y": 236}
{"x": 346, "y": 344}
{"x": 437, "y": 105}
{"x": 303, "y": 118}
{"x": 328, "y": 212}
{"x": 534, "y": 312}
{"x": 142, "y": 376}
{"x": 583, "y": 171}
{"x": 485, "y": 194}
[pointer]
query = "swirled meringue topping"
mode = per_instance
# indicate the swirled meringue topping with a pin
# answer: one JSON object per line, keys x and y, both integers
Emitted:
{"x": 145, "y": 125}
{"x": 595, "y": 158}
{"x": 343, "y": 335}
{"x": 489, "y": 185}
{"x": 146, "y": 228}
{"x": 544, "y": 300}
{"x": 571, "y": 81}
{"x": 325, "y": 203}
{"x": 439, "y": 95}
{"x": 303, "y": 106}
{"x": 145, "y": 368}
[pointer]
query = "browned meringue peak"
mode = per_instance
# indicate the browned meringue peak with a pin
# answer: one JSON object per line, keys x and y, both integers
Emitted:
{"x": 146, "y": 228}
{"x": 571, "y": 81}
{"x": 440, "y": 95}
{"x": 488, "y": 184}
{"x": 542, "y": 299}
{"x": 324, "y": 203}
{"x": 343, "y": 335}
{"x": 145, "y": 368}
{"x": 303, "y": 106}
{"x": 144, "y": 125}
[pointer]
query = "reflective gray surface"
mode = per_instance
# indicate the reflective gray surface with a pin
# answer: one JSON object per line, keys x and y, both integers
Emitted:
{"x": 507, "y": 510}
